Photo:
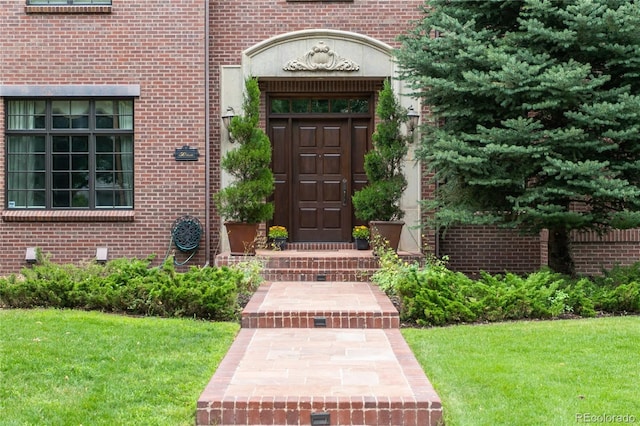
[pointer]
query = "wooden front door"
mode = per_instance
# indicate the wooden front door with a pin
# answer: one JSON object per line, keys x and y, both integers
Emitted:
{"x": 322, "y": 169}
{"x": 318, "y": 163}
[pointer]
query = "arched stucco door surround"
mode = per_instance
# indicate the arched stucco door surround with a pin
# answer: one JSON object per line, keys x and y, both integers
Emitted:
{"x": 320, "y": 54}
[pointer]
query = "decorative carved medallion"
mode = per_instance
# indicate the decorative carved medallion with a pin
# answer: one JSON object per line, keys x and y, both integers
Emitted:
{"x": 321, "y": 58}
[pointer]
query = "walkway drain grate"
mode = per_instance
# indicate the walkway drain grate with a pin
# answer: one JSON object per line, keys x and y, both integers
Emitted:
{"x": 320, "y": 322}
{"x": 319, "y": 419}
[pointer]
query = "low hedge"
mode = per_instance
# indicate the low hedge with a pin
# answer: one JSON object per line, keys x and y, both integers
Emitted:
{"x": 434, "y": 295}
{"x": 131, "y": 286}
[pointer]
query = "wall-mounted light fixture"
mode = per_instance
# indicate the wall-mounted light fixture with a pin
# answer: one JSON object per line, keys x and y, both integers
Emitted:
{"x": 414, "y": 118}
{"x": 30, "y": 255}
{"x": 226, "y": 120}
{"x": 102, "y": 254}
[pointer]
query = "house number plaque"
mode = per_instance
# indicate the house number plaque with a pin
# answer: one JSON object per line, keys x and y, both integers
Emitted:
{"x": 186, "y": 153}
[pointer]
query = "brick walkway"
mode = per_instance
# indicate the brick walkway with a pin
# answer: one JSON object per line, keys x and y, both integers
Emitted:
{"x": 319, "y": 353}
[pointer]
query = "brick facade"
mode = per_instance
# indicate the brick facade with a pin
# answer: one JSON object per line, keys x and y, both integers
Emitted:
{"x": 162, "y": 48}
{"x": 159, "y": 46}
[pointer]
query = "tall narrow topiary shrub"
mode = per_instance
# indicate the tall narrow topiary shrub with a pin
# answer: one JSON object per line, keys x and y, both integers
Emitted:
{"x": 245, "y": 199}
{"x": 380, "y": 199}
{"x": 244, "y": 202}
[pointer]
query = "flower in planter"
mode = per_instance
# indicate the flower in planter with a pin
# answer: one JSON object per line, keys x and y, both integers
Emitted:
{"x": 361, "y": 232}
{"x": 278, "y": 232}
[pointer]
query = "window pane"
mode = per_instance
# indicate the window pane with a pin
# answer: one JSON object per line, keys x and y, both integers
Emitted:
{"x": 61, "y": 162}
{"x": 104, "y": 162}
{"x": 61, "y": 199}
{"x": 79, "y": 162}
{"x": 104, "y": 143}
{"x": 80, "y": 199}
{"x": 279, "y": 105}
{"x": 320, "y": 105}
{"x": 61, "y": 180}
{"x": 60, "y": 144}
{"x": 26, "y": 115}
{"x": 124, "y": 115}
{"x": 339, "y": 105}
{"x": 300, "y": 105}
{"x": 70, "y": 114}
{"x": 80, "y": 180}
{"x": 114, "y": 114}
{"x": 80, "y": 144}
{"x": 360, "y": 105}
{"x": 25, "y": 171}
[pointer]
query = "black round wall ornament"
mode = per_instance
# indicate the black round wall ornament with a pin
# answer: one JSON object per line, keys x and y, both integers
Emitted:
{"x": 186, "y": 232}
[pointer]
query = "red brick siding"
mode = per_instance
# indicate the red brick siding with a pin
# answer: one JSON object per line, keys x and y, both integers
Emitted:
{"x": 472, "y": 249}
{"x": 592, "y": 253}
{"x": 161, "y": 47}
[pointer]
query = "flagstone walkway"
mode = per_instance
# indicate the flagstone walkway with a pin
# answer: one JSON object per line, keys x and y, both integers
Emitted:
{"x": 319, "y": 353}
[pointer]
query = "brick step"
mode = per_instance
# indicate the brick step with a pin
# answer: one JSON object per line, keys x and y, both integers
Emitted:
{"x": 323, "y": 265}
{"x": 340, "y": 275}
{"x": 319, "y": 377}
{"x": 333, "y": 304}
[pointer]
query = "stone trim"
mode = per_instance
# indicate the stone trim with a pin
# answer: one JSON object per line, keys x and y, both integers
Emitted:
{"x": 69, "y": 90}
{"x": 68, "y": 216}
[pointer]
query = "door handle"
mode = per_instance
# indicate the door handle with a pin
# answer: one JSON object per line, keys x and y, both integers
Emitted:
{"x": 344, "y": 192}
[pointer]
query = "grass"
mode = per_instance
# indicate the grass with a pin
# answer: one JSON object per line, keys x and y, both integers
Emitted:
{"x": 87, "y": 368}
{"x": 534, "y": 373}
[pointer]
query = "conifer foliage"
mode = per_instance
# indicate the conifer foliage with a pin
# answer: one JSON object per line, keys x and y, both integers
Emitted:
{"x": 536, "y": 114}
{"x": 244, "y": 200}
{"x": 380, "y": 199}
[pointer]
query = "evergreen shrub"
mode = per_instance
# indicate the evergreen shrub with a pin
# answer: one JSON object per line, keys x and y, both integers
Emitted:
{"x": 432, "y": 295}
{"x": 131, "y": 286}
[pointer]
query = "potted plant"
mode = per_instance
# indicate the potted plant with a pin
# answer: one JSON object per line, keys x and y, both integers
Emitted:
{"x": 278, "y": 235}
{"x": 361, "y": 237}
{"x": 379, "y": 201}
{"x": 244, "y": 202}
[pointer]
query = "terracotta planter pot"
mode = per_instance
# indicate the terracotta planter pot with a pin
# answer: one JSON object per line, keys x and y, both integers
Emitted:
{"x": 242, "y": 238}
{"x": 389, "y": 231}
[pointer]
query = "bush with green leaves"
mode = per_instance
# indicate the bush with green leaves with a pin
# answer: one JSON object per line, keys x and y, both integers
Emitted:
{"x": 245, "y": 199}
{"x": 431, "y": 294}
{"x": 131, "y": 286}
{"x": 380, "y": 199}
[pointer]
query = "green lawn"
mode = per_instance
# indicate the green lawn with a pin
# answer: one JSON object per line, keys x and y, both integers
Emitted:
{"x": 87, "y": 368}
{"x": 534, "y": 373}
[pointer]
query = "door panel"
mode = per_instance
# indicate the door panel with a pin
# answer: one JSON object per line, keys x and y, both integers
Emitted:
{"x": 360, "y": 144}
{"x": 280, "y": 135}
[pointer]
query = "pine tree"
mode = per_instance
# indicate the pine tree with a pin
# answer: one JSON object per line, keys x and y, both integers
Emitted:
{"x": 536, "y": 114}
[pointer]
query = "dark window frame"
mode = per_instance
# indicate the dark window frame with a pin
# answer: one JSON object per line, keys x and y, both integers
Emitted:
{"x": 93, "y": 133}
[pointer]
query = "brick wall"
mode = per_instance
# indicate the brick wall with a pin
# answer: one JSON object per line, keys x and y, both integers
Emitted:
{"x": 157, "y": 45}
{"x": 593, "y": 253}
{"x": 472, "y": 249}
